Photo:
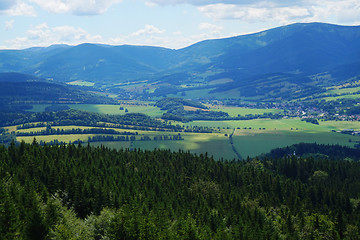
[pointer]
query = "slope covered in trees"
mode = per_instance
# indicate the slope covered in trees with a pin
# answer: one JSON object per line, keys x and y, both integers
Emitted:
{"x": 81, "y": 192}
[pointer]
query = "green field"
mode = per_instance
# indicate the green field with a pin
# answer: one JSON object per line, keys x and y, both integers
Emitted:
{"x": 281, "y": 133}
{"x": 255, "y": 143}
{"x": 60, "y": 138}
{"x": 251, "y": 138}
{"x": 248, "y": 142}
{"x": 39, "y": 107}
{"x": 216, "y": 146}
{"x": 344, "y": 90}
{"x": 351, "y": 96}
{"x": 115, "y": 109}
{"x": 235, "y": 111}
{"x": 294, "y": 124}
{"x": 108, "y": 109}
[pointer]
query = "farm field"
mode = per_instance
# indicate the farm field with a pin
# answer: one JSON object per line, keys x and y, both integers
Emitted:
{"x": 251, "y": 137}
{"x": 216, "y": 144}
{"x": 248, "y": 142}
{"x": 253, "y": 143}
{"x": 61, "y": 138}
{"x": 294, "y": 124}
{"x": 108, "y": 108}
{"x": 345, "y": 90}
{"x": 235, "y": 111}
{"x": 351, "y": 96}
{"x": 218, "y": 147}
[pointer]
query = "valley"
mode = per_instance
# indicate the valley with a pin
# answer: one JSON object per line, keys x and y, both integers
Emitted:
{"x": 255, "y": 136}
{"x": 251, "y": 137}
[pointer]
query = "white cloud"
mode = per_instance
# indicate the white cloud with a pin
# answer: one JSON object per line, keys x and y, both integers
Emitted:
{"x": 43, "y": 35}
{"x": 343, "y": 12}
{"x": 209, "y": 26}
{"x": 255, "y": 13}
{"x": 211, "y": 30}
{"x": 149, "y": 35}
{"x": 150, "y": 4}
{"x": 148, "y": 30}
{"x": 281, "y": 11}
{"x": 198, "y": 2}
{"x": 77, "y": 7}
{"x": 9, "y": 24}
{"x": 16, "y": 8}
{"x": 236, "y": 2}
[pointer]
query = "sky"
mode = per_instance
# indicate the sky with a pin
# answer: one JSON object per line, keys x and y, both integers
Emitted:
{"x": 166, "y": 23}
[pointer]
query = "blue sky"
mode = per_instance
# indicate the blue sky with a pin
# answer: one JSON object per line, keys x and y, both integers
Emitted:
{"x": 165, "y": 23}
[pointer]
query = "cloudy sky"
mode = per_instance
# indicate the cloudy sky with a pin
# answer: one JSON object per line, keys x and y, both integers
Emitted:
{"x": 166, "y": 23}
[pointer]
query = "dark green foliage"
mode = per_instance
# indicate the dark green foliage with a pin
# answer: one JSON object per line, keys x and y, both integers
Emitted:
{"x": 311, "y": 120}
{"x": 175, "y": 110}
{"x": 333, "y": 152}
{"x": 14, "y": 95}
{"x": 173, "y": 103}
{"x": 59, "y": 192}
{"x": 82, "y": 118}
{"x": 55, "y": 108}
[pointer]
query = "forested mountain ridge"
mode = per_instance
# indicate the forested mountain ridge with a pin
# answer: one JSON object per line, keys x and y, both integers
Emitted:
{"x": 63, "y": 192}
{"x": 18, "y": 91}
{"x": 296, "y": 53}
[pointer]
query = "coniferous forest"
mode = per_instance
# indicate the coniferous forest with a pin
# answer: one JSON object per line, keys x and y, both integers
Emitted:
{"x": 83, "y": 192}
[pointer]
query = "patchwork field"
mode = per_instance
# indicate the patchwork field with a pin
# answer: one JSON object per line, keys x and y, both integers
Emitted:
{"x": 216, "y": 144}
{"x": 235, "y": 111}
{"x": 254, "y": 143}
{"x": 294, "y": 124}
{"x": 108, "y": 109}
{"x": 251, "y": 137}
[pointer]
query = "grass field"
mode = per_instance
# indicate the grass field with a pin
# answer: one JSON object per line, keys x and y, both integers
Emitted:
{"x": 60, "y": 138}
{"x": 216, "y": 145}
{"x": 115, "y": 109}
{"x": 344, "y": 90}
{"x": 264, "y": 135}
{"x": 255, "y": 143}
{"x": 351, "y": 96}
{"x": 283, "y": 132}
{"x": 235, "y": 111}
{"x": 281, "y": 124}
{"x": 39, "y": 107}
{"x": 108, "y": 109}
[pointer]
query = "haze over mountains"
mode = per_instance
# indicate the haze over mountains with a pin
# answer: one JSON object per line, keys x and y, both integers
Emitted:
{"x": 295, "y": 52}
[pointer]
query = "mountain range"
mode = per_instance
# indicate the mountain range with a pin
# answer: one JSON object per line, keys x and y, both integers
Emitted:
{"x": 292, "y": 55}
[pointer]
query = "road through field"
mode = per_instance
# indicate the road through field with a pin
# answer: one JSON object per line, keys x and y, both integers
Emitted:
{"x": 233, "y": 146}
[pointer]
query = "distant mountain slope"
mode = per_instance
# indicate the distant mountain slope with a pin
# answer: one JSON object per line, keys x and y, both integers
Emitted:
{"x": 19, "y": 89}
{"x": 300, "y": 50}
{"x": 305, "y": 48}
{"x": 101, "y": 63}
{"x": 14, "y": 77}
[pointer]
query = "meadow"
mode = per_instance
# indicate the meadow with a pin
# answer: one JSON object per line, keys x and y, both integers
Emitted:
{"x": 253, "y": 143}
{"x": 251, "y": 137}
{"x": 235, "y": 111}
{"x": 131, "y": 107}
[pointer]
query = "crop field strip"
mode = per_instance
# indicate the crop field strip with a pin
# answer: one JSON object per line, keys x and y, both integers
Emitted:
{"x": 263, "y": 136}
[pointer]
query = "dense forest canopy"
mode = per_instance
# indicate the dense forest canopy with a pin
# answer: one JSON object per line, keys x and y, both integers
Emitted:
{"x": 82, "y": 192}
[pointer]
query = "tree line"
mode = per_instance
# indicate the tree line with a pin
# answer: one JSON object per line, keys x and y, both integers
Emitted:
{"x": 83, "y": 192}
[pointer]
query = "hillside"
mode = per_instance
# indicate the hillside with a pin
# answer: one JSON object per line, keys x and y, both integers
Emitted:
{"x": 18, "y": 90}
{"x": 81, "y": 192}
{"x": 298, "y": 52}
